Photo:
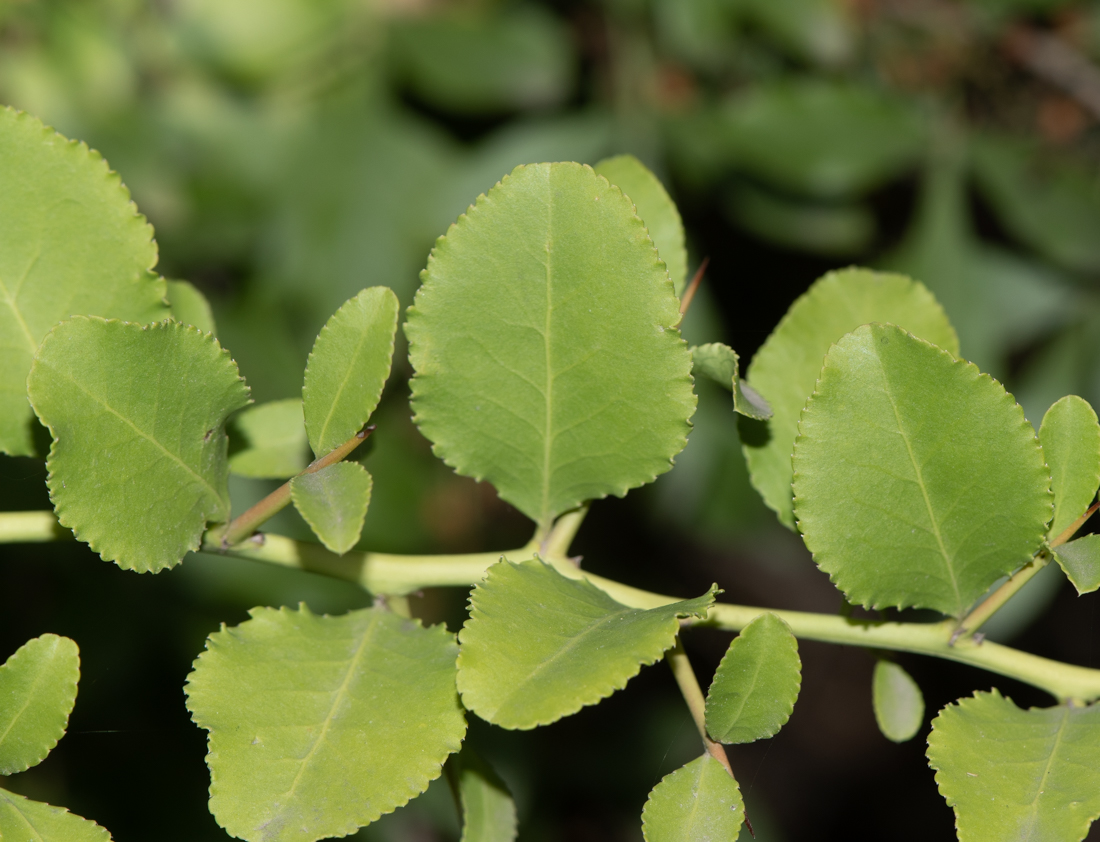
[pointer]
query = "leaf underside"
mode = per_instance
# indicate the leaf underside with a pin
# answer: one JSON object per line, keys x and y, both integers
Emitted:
{"x": 539, "y": 646}
{"x": 1080, "y": 560}
{"x": 334, "y": 501}
{"x": 1070, "y": 436}
{"x": 37, "y": 694}
{"x": 488, "y": 811}
{"x": 943, "y": 489}
{"x": 21, "y": 818}
{"x": 699, "y": 801}
{"x": 898, "y": 702}
{"x": 276, "y": 443}
{"x": 720, "y": 363}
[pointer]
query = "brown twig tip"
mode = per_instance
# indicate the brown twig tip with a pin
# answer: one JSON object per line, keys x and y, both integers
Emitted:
{"x": 689, "y": 293}
{"x": 748, "y": 825}
{"x": 366, "y": 431}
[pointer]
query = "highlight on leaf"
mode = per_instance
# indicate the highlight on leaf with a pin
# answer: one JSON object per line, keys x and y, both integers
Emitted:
{"x": 699, "y": 801}
{"x": 897, "y": 700}
{"x": 1070, "y": 435}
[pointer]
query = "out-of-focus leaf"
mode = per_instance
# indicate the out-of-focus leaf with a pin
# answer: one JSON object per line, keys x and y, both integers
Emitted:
{"x": 946, "y": 478}
{"x": 539, "y": 646}
{"x": 275, "y": 434}
{"x": 1070, "y": 436}
{"x": 898, "y": 703}
{"x": 488, "y": 811}
{"x": 21, "y": 818}
{"x": 334, "y": 501}
{"x": 821, "y": 31}
{"x": 1080, "y": 560}
{"x": 190, "y": 306}
{"x": 137, "y": 414}
{"x": 700, "y": 32}
{"x": 37, "y": 694}
{"x": 1038, "y": 779}
{"x": 699, "y": 801}
{"x": 828, "y": 229}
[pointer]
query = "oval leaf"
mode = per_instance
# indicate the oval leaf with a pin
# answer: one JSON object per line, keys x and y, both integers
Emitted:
{"x": 918, "y": 482}
{"x": 38, "y": 691}
{"x": 73, "y": 244}
{"x": 898, "y": 703}
{"x": 348, "y": 367}
{"x": 1080, "y": 560}
{"x": 138, "y": 464}
{"x": 334, "y": 501}
{"x": 275, "y": 437}
{"x": 1070, "y": 436}
{"x": 1038, "y": 779}
{"x": 190, "y": 306}
{"x": 21, "y": 818}
{"x": 319, "y": 725}
{"x": 544, "y": 342}
{"x": 488, "y": 811}
{"x": 786, "y": 367}
{"x": 699, "y": 801}
{"x": 756, "y": 685}
{"x": 539, "y": 646}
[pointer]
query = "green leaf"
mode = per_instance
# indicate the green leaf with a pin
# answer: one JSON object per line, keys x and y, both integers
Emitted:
{"x": 190, "y": 306}
{"x": 348, "y": 367}
{"x": 334, "y": 501}
{"x": 898, "y": 703}
{"x": 544, "y": 342}
{"x": 786, "y": 367}
{"x": 756, "y": 685}
{"x": 73, "y": 244}
{"x": 1080, "y": 560}
{"x": 1020, "y": 775}
{"x": 1070, "y": 436}
{"x": 137, "y": 414}
{"x": 21, "y": 818}
{"x": 942, "y": 490}
{"x": 38, "y": 689}
{"x": 719, "y": 362}
{"x": 699, "y": 801}
{"x": 488, "y": 811}
{"x": 319, "y": 725}
{"x": 275, "y": 435}
{"x": 656, "y": 209}
{"x": 816, "y": 30}
{"x": 539, "y": 646}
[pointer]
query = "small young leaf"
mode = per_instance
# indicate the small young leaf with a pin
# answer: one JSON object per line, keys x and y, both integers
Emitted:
{"x": 1080, "y": 560}
{"x": 190, "y": 306}
{"x": 898, "y": 703}
{"x": 73, "y": 244}
{"x": 942, "y": 491}
{"x": 21, "y": 818}
{"x": 334, "y": 501}
{"x": 319, "y": 725}
{"x": 137, "y": 414}
{"x": 656, "y": 209}
{"x": 276, "y": 436}
{"x": 1070, "y": 436}
{"x": 719, "y": 363}
{"x": 756, "y": 685}
{"x": 787, "y": 365}
{"x": 37, "y": 694}
{"x": 1013, "y": 775}
{"x": 348, "y": 367}
{"x": 539, "y": 646}
{"x": 699, "y": 801}
{"x": 488, "y": 811}
{"x": 544, "y": 342}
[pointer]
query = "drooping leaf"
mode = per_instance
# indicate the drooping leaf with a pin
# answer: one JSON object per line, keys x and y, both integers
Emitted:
{"x": 137, "y": 414}
{"x": 898, "y": 703}
{"x": 538, "y": 646}
{"x": 348, "y": 367}
{"x": 334, "y": 501}
{"x": 941, "y": 491}
{"x": 1070, "y": 436}
{"x": 1080, "y": 560}
{"x": 786, "y": 367}
{"x": 756, "y": 685}
{"x": 544, "y": 344}
{"x": 719, "y": 362}
{"x": 190, "y": 306}
{"x": 37, "y": 694}
{"x": 656, "y": 209}
{"x": 319, "y": 725}
{"x": 1013, "y": 775}
{"x": 277, "y": 446}
{"x": 699, "y": 801}
{"x": 73, "y": 244}
{"x": 21, "y": 818}
{"x": 488, "y": 811}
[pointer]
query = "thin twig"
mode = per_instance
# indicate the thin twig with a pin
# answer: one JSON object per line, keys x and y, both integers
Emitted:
{"x": 1071, "y": 530}
{"x": 689, "y": 293}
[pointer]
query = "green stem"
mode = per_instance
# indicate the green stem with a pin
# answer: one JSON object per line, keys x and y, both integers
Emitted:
{"x": 693, "y": 694}
{"x": 556, "y": 544}
{"x": 996, "y": 600}
{"x": 31, "y": 528}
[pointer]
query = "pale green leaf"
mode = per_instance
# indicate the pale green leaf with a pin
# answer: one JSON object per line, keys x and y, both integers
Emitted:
{"x": 190, "y": 306}
{"x": 1080, "y": 560}
{"x": 756, "y": 685}
{"x": 275, "y": 435}
{"x": 1014, "y": 775}
{"x": 544, "y": 342}
{"x": 22, "y": 819}
{"x": 348, "y": 367}
{"x": 699, "y": 801}
{"x": 918, "y": 482}
{"x": 488, "y": 811}
{"x": 719, "y": 362}
{"x": 73, "y": 244}
{"x": 786, "y": 367}
{"x": 898, "y": 703}
{"x": 1070, "y": 436}
{"x": 138, "y": 464}
{"x": 334, "y": 501}
{"x": 37, "y": 694}
{"x": 656, "y": 209}
{"x": 319, "y": 725}
{"x": 539, "y": 646}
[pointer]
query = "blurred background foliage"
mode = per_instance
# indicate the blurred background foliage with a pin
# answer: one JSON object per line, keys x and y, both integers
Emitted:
{"x": 292, "y": 152}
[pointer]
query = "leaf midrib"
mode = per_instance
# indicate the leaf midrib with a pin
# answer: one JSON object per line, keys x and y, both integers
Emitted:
{"x": 21, "y": 815}
{"x": 548, "y": 435}
{"x": 9, "y": 299}
{"x": 30, "y": 696}
{"x": 1041, "y": 787}
{"x": 340, "y": 390}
